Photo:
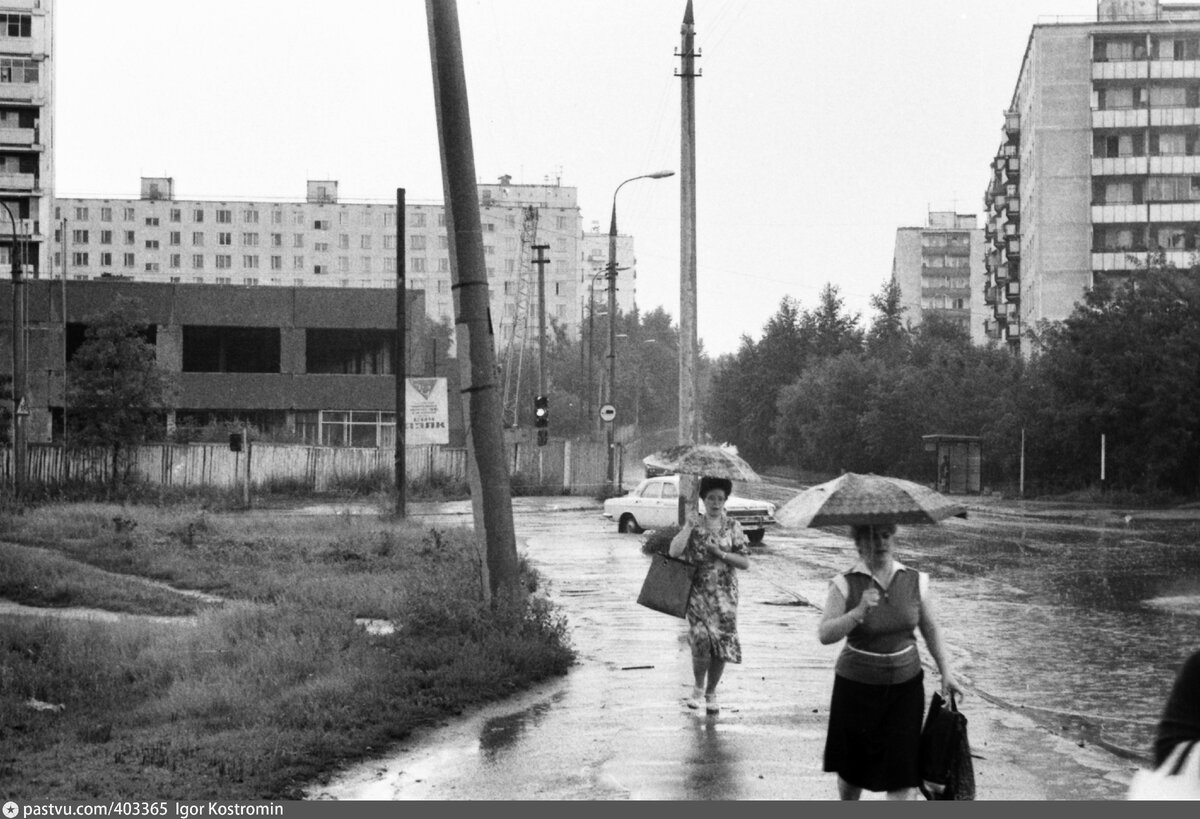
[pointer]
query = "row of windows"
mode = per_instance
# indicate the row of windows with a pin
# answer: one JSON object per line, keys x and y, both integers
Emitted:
{"x": 1158, "y": 96}
{"x": 15, "y": 24}
{"x": 1153, "y": 189}
{"x": 1146, "y": 237}
{"x": 251, "y": 216}
{"x": 18, "y": 70}
{"x": 962, "y": 240}
{"x": 1161, "y": 143}
{"x": 1135, "y": 47}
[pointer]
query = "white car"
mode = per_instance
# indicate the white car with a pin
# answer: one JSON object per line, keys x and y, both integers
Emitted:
{"x": 654, "y": 504}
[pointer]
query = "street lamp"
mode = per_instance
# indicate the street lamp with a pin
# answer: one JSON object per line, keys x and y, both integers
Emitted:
{"x": 18, "y": 354}
{"x": 591, "y": 342}
{"x": 612, "y": 314}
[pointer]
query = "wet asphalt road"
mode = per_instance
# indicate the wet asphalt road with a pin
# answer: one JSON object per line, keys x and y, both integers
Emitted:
{"x": 616, "y": 728}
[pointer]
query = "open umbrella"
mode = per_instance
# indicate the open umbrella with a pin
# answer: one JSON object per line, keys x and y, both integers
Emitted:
{"x": 867, "y": 499}
{"x": 702, "y": 459}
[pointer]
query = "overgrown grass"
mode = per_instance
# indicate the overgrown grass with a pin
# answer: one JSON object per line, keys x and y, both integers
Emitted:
{"x": 258, "y": 697}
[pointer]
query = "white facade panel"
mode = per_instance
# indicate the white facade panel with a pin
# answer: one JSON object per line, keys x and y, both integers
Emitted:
{"x": 1174, "y": 69}
{"x": 1174, "y": 117}
{"x": 1174, "y": 164}
{"x": 1121, "y": 118}
{"x": 1119, "y": 165}
{"x": 1123, "y": 70}
{"x": 1109, "y": 214}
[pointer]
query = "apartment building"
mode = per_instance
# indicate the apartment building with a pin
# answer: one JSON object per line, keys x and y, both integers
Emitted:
{"x": 935, "y": 267}
{"x": 26, "y": 131}
{"x": 324, "y": 241}
{"x": 1099, "y": 162}
{"x": 594, "y": 263}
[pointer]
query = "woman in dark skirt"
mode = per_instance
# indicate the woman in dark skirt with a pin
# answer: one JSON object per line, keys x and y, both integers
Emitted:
{"x": 878, "y": 691}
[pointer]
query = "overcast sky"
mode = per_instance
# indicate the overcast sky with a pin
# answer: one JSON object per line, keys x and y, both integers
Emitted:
{"x": 822, "y": 125}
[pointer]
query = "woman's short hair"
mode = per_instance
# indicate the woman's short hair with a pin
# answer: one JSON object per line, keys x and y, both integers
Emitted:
{"x": 868, "y": 529}
{"x": 708, "y": 484}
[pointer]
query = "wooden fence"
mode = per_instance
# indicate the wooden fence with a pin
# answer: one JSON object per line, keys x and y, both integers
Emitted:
{"x": 570, "y": 466}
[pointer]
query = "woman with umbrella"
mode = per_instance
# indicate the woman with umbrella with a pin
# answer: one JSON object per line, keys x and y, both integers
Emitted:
{"x": 877, "y": 607}
{"x": 717, "y": 545}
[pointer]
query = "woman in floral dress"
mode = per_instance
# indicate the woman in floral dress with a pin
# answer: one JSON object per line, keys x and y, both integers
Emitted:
{"x": 717, "y": 545}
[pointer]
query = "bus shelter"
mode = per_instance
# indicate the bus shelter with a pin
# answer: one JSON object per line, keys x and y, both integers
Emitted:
{"x": 959, "y": 461}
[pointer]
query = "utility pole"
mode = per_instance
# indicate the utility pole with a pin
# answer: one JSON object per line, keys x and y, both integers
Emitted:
{"x": 491, "y": 487}
{"x": 20, "y": 410}
{"x": 398, "y": 362}
{"x": 688, "y": 336}
{"x": 541, "y": 261}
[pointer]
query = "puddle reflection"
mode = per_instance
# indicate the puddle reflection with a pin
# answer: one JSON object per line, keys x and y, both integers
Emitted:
{"x": 503, "y": 733}
{"x": 712, "y": 768}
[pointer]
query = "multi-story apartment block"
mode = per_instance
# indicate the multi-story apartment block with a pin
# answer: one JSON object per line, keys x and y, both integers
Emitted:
{"x": 935, "y": 266}
{"x": 323, "y": 241}
{"x": 1099, "y": 165}
{"x": 26, "y": 131}
{"x": 594, "y": 263}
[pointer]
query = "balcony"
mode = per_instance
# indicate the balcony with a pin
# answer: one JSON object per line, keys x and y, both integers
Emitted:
{"x": 1174, "y": 69}
{"x": 1012, "y": 123}
{"x": 22, "y": 92}
{"x": 1014, "y": 247}
{"x": 1111, "y": 214}
{"x": 1167, "y": 117}
{"x": 18, "y": 181}
{"x": 25, "y": 137}
{"x": 1012, "y": 331}
{"x": 1174, "y": 165}
{"x": 1121, "y": 70}
{"x": 1175, "y": 212}
{"x": 1121, "y": 118}
{"x": 1012, "y": 291}
{"x": 1119, "y": 165}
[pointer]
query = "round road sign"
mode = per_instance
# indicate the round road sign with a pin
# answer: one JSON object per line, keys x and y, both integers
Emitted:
{"x": 608, "y": 412}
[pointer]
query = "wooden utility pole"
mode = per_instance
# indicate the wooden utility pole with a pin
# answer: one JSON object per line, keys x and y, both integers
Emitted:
{"x": 399, "y": 359}
{"x": 687, "y": 233}
{"x": 491, "y": 488}
{"x": 688, "y": 342}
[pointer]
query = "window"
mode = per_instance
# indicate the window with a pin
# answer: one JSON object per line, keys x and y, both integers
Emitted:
{"x": 442, "y": 219}
{"x": 129, "y": 260}
{"x": 197, "y": 215}
{"x": 1168, "y": 96}
{"x": 418, "y": 220}
{"x": 344, "y": 241}
{"x": 198, "y": 239}
{"x": 175, "y": 238}
{"x": 321, "y": 224}
{"x": 79, "y": 237}
{"x": 560, "y": 222}
{"x": 343, "y": 218}
{"x": 224, "y": 216}
{"x": 320, "y": 269}
{"x": 389, "y": 265}
{"x": 106, "y": 260}
{"x": 13, "y": 24}
{"x": 277, "y": 217}
{"x": 250, "y": 217}
{"x": 389, "y": 218}
{"x": 251, "y": 282}
{"x": 298, "y": 240}
{"x": 151, "y": 267}
{"x": 175, "y": 280}
{"x": 250, "y": 239}
{"x": 276, "y": 240}
{"x": 416, "y": 264}
{"x": 510, "y": 243}
{"x": 250, "y": 262}
{"x": 176, "y": 215}
{"x": 152, "y": 244}
{"x": 18, "y": 70}
{"x": 489, "y": 227}
{"x": 389, "y": 242}
{"x": 443, "y": 265}
{"x": 105, "y": 214}
{"x": 344, "y": 264}
{"x": 366, "y": 264}
{"x": 198, "y": 261}
{"x": 1168, "y": 144}
{"x": 443, "y": 242}
{"x": 364, "y": 218}
{"x": 224, "y": 261}
{"x": 321, "y": 247}
{"x": 298, "y": 262}
{"x": 416, "y": 242}
{"x": 277, "y": 263}
{"x": 298, "y": 218}
{"x": 176, "y": 260}
{"x": 128, "y": 214}
{"x": 224, "y": 238}
{"x": 81, "y": 214}
{"x": 365, "y": 242}
{"x": 151, "y": 221}
{"x": 224, "y": 280}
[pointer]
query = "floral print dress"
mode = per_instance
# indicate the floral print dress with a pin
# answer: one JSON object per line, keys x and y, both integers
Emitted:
{"x": 712, "y": 608}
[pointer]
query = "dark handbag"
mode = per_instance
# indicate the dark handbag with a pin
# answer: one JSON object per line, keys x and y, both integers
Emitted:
{"x": 668, "y": 585}
{"x": 944, "y": 757}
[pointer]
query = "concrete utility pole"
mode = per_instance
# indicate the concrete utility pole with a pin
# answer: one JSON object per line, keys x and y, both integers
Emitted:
{"x": 491, "y": 487}
{"x": 18, "y": 360}
{"x": 688, "y": 343}
{"x": 541, "y": 261}
{"x": 398, "y": 361}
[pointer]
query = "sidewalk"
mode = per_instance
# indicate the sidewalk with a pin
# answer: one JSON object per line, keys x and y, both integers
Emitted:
{"x": 616, "y": 728}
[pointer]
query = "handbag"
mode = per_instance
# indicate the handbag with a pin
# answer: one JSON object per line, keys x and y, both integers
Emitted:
{"x": 944, "y": 755}
{"x": 668, "y": 585}
{"x": 1178, "y": 777}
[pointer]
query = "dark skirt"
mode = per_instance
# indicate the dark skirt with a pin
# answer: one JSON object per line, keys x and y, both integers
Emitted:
{"x": 874, "y": 733}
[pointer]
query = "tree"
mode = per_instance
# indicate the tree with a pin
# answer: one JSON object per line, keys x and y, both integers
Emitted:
{"x": 118, "y": 395}
{"x": 887, "y": 336}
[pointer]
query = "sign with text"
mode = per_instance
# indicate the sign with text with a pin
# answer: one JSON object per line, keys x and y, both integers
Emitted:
{"x": 427, "y": 412}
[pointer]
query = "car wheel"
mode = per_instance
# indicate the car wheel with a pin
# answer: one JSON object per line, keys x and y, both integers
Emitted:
{"x": 628, "y": 523}
{"x": 756, "y": 536}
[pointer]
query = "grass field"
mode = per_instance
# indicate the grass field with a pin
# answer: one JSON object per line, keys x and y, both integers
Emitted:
{"x": 260, "y": 692}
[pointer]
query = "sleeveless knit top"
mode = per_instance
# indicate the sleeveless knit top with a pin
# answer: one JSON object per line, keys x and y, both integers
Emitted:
{"x": 882, "y": 650}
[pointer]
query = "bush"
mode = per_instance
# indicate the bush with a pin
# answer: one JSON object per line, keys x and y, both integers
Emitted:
{"x": 658, "y": 541}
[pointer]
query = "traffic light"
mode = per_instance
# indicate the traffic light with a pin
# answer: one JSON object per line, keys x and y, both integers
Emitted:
{"x": 235, "y": 442}
{"x": 541, "y": 419}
